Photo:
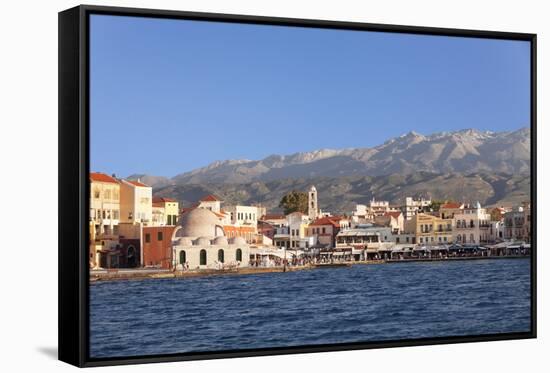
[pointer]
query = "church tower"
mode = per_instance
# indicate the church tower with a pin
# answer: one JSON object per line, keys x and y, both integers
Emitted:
{"x": 312, "y": 207}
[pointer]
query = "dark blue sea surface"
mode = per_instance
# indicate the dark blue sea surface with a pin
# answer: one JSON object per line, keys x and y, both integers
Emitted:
{"x": 336, "y": 305}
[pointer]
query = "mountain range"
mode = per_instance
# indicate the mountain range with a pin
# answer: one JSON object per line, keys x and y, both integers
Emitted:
{"x": 493, "y": 167}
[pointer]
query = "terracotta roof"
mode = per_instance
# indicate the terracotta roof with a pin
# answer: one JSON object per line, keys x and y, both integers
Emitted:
{"x": 451, "y": 205}
{"x": 163, "y": 199}
{"x": 395, "y": 214}
{"x": 210, "y": 198}
{"x": 137, "y": 183}
{"x": 101, "y": 177}
{"x": 326, "y": 221}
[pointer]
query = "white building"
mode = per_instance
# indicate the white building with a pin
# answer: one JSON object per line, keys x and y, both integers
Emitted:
{"x": 199, "y": 242}
{"x": 472, "y": 225}
{"x": 378, "y": 208}
{"x": 413, "y": 206}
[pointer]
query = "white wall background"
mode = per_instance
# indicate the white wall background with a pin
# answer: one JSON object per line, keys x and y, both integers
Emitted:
{"x": 28, "y": 150}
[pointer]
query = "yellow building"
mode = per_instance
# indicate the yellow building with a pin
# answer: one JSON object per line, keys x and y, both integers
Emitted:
{"x": 136, "y": 202}
{"x": 430, "y": 230}
{"x": 104, "y": 205}
{"x": 165, "y": 211}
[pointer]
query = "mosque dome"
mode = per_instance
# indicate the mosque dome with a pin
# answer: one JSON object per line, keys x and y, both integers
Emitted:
{"x": 184, "y": 241}
{"x": 219, "y": 241}
{"x": 238, "y": 241}
{"x": 200, "y": 223}
{"x": 202, "y": 241}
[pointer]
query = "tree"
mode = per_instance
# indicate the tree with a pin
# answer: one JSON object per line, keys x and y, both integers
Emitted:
{"x": 435, "y": 205}
{"x": 294, "y": 201}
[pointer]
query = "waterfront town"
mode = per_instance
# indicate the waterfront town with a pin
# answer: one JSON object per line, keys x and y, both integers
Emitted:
{"x": 131, "y": 229}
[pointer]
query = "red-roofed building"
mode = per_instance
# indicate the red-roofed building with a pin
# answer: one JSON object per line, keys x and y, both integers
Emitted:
{"x": 104, "y": 206}
{"x": 326, "y": 229}
{"x": 157, "y": 246}
{"x": 165, "y": 211}
{"x": 137, "y": 183}
{"x": 211, "y": 202}
{"x": 103, "y": 178}
{"x": 393, "y": 219}
{"x": 449, "y": 209}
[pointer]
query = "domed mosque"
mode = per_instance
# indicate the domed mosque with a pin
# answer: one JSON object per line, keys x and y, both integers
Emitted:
{"x": 199, "y": 242}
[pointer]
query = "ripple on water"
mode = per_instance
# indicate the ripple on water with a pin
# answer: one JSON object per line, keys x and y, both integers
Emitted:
{"x": 354, "y": 304}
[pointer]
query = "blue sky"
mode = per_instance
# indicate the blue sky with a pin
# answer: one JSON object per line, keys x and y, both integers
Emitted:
{"x": 168, "y": 96}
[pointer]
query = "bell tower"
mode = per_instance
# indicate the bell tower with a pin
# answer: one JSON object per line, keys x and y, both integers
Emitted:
{"x": 312, "y": 207}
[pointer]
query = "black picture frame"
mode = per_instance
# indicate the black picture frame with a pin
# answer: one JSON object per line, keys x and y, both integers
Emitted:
{"x": 74, "y": 186}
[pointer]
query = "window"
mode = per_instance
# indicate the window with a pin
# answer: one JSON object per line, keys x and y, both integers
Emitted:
{"x": 203, "y": 257}
{"x": 183, "y": 258}
{"x": 159, "y": 236}
{"x": 220, "y": 256}
{"x": 96, "y": 193}
{"x": 239, "y": 255}
{"x": 147, "y": 237}
{"x": 324, "y": 230}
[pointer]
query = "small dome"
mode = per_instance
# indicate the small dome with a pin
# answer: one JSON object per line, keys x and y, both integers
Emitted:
{"x": 200, "y": 222}
{"x": 219, "y": 241}
{"x": 202, "y": 241}
{"x": 238, "y": 241}
{"x": 184, "y": 241}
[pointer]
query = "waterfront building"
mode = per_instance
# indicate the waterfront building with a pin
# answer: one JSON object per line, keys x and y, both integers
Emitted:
{"x": 413, "y": 206}
{"x": 496, "y": 231}
{"x": 104, "y": 206}
{"x": 157, "y": 246}
{"x": 363, "y": 241}
{"x": 325, "y": 229}
{"x": 393, "y": 219}
{"x": 136, "y": 202}
{"x": 199, "y": 242}
{"x": 265, "y": 229}
{"x": 361, "y": 214}
{"x": 312, "y": 205}
{"x": 517, "y": 223}
{"x": 165, "y": 211}
{"x": 449, "y": 209}
{"x": 297, "y": 227}
{"x": 430, "y": 229}
{"x": 281, "y": 235}
{"x": 378, "y": 208}
{"x": 242, "y": 221}
{"x": 472, "y": 225}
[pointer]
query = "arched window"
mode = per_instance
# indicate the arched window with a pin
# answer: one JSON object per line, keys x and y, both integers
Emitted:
{"x": 464, "y": 238}
{"x": 183, "y": 258}
{"x": 220, "y": 255}
{"x": 203, "y": 257}
{"x": 472, "y": 240}
{"x": 239, "y": 255}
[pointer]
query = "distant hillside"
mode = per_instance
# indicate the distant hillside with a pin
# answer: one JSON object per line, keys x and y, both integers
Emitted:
{"x": 467, "y": 151}
{"x": 340, "y": 194}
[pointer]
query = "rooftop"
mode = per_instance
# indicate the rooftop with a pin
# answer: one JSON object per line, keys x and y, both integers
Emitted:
{"x": 210, "y": 198}
{"x": 101, "y": 177}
